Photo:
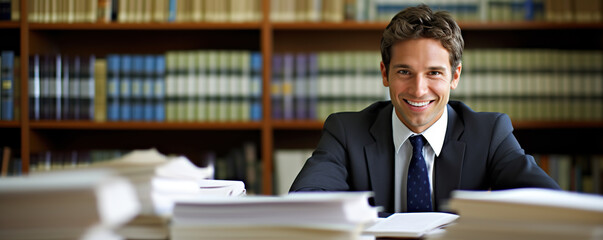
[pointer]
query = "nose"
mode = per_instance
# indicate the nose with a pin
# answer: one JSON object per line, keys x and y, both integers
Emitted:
{"x": 418, "y": 86}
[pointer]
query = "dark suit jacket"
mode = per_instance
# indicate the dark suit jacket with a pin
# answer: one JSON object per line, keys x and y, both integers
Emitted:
{"x": 480, "y": 152}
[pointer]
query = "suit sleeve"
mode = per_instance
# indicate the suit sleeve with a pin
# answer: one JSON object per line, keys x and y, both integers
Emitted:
{"x": 326, "y": 169}
{"x": 510, "y": 167}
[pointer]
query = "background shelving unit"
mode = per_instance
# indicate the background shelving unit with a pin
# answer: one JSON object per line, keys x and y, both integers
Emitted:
{"x": 28, "y": 136}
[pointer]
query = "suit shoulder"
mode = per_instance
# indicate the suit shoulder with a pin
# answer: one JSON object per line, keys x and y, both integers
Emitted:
{"x": 475, "y": 119}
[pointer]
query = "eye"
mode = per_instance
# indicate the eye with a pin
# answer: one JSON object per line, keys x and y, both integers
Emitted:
{"x": 404, "y": 72}
{"x": 435, "y": 73}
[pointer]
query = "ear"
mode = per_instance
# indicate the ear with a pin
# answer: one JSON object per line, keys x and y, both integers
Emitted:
{"x": 456, "y": 76}
{"x": 384, "y": 75}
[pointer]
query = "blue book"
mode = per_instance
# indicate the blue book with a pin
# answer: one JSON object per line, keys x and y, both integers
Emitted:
{"x": 148, "y": 84}
{"x": 137, "y": 87}
{"x": 34, "y": 87}
{"x": 7, "y": 80}
{"x": 159, "y": 93}
{"x": 113, "y": 94}
{"x": 125, "y": 88}
{"x": 172, "y": 10}
{"x": 256, "y": 86}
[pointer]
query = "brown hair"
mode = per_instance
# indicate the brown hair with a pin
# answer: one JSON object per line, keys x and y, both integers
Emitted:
{"x": 421, "y": 22}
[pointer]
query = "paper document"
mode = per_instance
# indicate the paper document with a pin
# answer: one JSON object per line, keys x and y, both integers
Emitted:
{"x": 410, "y": 224}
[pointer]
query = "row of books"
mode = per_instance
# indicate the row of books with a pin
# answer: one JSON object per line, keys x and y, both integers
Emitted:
{"x": 10, "y": 10}
{"x": 534, "y": 84}
{"x": 63, "y": 87}
{"x": 463, "y": 10}
{"x": 314, "y": 85}
{"x": 213, "y": 86}
{"x": 579, "y": 173}
{"x": 139, "y": 11}
{"x": 178, "y": 86}
{"x": 7, "y": 85}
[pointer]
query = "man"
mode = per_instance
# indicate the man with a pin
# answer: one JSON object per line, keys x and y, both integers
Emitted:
{"x": 419, "y": 146}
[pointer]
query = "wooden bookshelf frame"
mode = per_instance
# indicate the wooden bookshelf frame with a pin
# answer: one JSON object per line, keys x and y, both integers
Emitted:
{"x": 269, "y": 130}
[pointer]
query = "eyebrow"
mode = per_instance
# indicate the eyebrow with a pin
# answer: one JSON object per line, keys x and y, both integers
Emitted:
{"x": 438, "y": 68}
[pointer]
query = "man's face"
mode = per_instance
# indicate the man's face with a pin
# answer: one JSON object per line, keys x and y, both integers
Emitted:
{"x": 420, "y": 79}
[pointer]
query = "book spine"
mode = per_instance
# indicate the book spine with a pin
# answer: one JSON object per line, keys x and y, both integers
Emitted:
{"x": 125, "y": 81}
{"x": 287, "y": 86}
{"x": 202, "y": 86}
{"x": 191, "y": 94}
{"x": 244, "y": 98}
{"x": 137, "y": 88}
{"x": 160, "y": 88}
{"x": 34, "y": 87}
{"x": 148, "y": 84}
{"x": 212, "y": 86}
{"x": 256, "y": 86}
{"x": 56, "y": 86}
{"x": 65, "y": 82}
{"x": 46, "y": 66}
{"x": 301, "y": 86}
{"x": 312, "y": 86}
{"x": 276, "y": 88}
{"x": 100, "y": 90}
{"x": 87, "y": 87}
{"x": 113, "y": 87}
{"x": 7, "y": 82}
{"x": 74, "y": 88}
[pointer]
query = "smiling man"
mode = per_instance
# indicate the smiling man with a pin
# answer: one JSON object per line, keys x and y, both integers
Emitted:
{"x": 414, "y": 150}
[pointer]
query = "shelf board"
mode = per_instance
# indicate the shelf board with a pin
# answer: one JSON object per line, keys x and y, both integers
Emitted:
{"x": 529, "y": 26}
{"x": 297, "y": 125}
{"x": 88, "y": 125}
{"x": 10, "y": 124}
{"x": 145, "y": 26}
{"x": 346, "y": 25}
{"x": 353, "y": 25}
{"x": 556, "y": 124}
{"x": 9, "y": 25}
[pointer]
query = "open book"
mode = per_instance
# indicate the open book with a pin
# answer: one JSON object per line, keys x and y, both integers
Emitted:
{"x": 411, "y": 225}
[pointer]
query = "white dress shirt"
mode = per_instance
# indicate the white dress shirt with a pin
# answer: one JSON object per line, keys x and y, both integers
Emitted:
{"x": 434, "y": 135}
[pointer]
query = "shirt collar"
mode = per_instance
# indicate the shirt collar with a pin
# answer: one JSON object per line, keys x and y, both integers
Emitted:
{"x": 435, "y": 134}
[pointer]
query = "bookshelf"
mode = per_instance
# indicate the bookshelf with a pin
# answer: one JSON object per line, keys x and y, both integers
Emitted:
{"x": 31, "y": 136}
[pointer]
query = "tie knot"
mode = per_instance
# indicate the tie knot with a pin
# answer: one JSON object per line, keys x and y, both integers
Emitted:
{"x": 417, "y": 141}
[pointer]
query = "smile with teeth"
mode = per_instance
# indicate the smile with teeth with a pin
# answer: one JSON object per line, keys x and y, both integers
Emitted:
{"x": 418, "y": 104}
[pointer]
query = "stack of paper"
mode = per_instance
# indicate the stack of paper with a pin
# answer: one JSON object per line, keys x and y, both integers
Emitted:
{"x": 526, "y": 214}
{"x": 66, "y": 205}
{"x": 160, "y": 181}
{"x": 294, "y": 216}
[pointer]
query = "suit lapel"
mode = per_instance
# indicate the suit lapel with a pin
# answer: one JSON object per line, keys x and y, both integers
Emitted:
{"x": 380, "y": 160}
{"x": 449, "y": 164}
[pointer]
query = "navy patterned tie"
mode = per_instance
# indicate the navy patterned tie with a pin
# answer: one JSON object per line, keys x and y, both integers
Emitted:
{"x": 418, "y": 193}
